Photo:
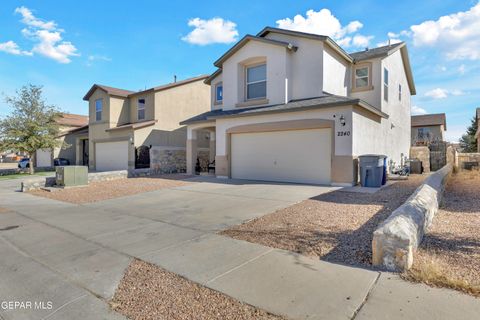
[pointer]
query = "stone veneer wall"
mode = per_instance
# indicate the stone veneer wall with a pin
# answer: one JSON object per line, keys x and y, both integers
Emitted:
{"x": 421, "y": 153}
{"x": 164, "y": 161}
{"x": 37, "y": 183}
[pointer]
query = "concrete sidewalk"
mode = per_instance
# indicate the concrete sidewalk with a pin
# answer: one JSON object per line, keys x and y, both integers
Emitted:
{"x": 83, "y": 251}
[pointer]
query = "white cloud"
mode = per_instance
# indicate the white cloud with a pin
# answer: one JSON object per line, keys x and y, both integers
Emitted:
{"x": 390, "y": 41}
{"x": 323, "y": 22}
{"x": 46, "y": 36}
{"x": 92, "y": 58}
{"x": 30, "y": 20}
{"x": 461, "y": 69}
{"x": 437, "y": 93}
{"x": 457, "y": 34}
{"x": 416, "y": 110}
{"x": 215, "y": 30}
{"x": 13, "y": 48}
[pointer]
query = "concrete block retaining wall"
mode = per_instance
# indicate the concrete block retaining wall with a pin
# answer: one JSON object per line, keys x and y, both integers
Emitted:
{"x": 397, "y": 237}
{"x": 37, "y": 183}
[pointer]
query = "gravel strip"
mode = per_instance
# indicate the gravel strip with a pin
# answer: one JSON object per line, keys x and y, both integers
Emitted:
{"x": 104, "y": 190}
{"x": 336, "y": 226}
{"x": 453, "y": 242}
{"x": 149, "y": 292}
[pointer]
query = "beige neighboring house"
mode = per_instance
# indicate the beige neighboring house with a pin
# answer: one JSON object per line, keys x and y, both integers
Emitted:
{"x": 73, "y": 130}
{"x": 126, "y": 127}
{"x": 427, "y": 128}
{"x": 296, "y": 107}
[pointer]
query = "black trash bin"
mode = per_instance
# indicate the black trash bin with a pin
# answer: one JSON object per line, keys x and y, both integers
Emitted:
{"x": 372, "y": 170}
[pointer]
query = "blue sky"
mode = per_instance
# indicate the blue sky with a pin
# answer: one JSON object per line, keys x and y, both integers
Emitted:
{"x": 66, "y": 46}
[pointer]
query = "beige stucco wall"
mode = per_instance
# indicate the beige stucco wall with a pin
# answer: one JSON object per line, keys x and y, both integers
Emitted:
{"x": 149, "y": 106}
{"x": 336, "y": 73}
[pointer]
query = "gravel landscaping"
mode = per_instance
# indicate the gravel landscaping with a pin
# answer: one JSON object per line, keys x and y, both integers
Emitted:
{"x": 149, "y": 292}
{"x": 337, "y": 226}
{"x": 104, "y": 190}
{"x": 450, "y": 252}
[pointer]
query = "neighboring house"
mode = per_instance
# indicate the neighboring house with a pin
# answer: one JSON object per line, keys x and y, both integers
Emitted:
{"x": 295, "y": 107}
{"x": 73, "y": 131}
{"x": 124, "y": 125}
{"x": 427, "y": 128}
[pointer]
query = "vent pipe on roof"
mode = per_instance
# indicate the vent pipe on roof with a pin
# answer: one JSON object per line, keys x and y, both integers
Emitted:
{"x": 174, "y": 78}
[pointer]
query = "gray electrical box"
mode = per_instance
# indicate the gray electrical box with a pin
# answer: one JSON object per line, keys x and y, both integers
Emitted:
{"x": 70, "y": 176}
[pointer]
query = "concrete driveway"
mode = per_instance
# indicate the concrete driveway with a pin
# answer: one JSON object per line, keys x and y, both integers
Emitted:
{"x": 74, "y": 256}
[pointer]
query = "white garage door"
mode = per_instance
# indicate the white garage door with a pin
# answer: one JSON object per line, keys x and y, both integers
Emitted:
{"x": 44, "y": 158}
{"x": 110, "y": 156}
{"x": 302, "y": 156}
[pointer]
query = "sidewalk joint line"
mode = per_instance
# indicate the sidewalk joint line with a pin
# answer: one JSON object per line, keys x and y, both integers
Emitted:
{"x": 374, "y": 284}
{"x": 238, "y": 267}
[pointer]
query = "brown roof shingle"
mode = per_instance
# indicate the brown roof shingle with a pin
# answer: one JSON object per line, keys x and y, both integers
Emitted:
{"x": 72, "y": 120}
{"x": 430, "y": 120}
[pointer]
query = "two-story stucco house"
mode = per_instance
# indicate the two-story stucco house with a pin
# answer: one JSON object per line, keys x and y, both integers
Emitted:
{"x": 427, "y": 128}
{"x": 125, "y": 125}
{"x": 295, "y": 107}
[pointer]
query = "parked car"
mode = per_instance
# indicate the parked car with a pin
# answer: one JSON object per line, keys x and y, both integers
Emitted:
{"x": 61, "y": 162}
{"x": 24, "y": 163}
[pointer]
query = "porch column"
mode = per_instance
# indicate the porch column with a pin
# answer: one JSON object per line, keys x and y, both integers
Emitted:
{"x": 191, "y": 150}
{"x": 213, "y": 145}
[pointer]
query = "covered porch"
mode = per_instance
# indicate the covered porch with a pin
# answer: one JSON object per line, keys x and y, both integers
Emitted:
{"x": 201, "y": 147}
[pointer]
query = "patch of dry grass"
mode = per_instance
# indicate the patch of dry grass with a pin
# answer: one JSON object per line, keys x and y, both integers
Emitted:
{"x": 433, "y": 273}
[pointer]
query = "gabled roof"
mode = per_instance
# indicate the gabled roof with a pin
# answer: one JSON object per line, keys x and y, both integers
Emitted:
{"x": 127, "y": 93}
{"x": 246, "y": 39}
{"x": 213, "y": 76}
{"x": 423, "y": 120}
{"x": 110, "y": 90}
{"x": 313, "y": 36}
{"x": 325, "y": 101}
{"x": 72, "y": 120}
{"x": 385, "y": 51}
{"x": 379, "y": 52}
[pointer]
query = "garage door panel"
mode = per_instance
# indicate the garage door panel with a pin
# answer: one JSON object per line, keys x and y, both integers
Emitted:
{"x": 302, "y": 156}
{"x": 110, "y": 156}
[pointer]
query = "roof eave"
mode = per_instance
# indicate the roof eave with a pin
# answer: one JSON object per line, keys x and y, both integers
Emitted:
{"x": 408, "y": 69}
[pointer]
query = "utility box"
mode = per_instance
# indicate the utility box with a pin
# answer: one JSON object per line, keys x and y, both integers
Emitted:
{"x": 416, "y": 166}
{"x": 70, "y": 176}
{"x": 372, "y": 170}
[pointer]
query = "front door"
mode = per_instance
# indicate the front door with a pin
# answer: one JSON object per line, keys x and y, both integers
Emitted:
{"x": 85, "y": 152}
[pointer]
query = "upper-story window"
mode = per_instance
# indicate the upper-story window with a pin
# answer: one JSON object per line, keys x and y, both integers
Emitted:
{"x": 399, "y": 92}
{"x": 98, "y": 109}
{"x": 385, "y": 84}
{"x": 362, "y": 79}
{"x": 141, "y": 109}
{"x": 256, "y": 82}
{"x": 219, "y": 93}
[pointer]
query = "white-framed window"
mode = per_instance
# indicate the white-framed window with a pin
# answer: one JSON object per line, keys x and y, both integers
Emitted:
{"x": 219, "y": 93}
{"x": 141, "y": 109}
{"x": 256, "y": 81}
{"x": 385, "y": 84}
{"x": 98, "y": 109}
{"x": 399, "y": 92}
{"x": 362, "y": 77}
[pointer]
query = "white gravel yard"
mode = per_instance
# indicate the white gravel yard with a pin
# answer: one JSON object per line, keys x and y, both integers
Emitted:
{"x": 335, "y": 226}
{"x": 149, "y": 292}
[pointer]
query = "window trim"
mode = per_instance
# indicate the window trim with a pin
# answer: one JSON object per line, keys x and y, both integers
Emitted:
{"x": 215, "y": 101}
{"x": 97, "y": 119}
{"x": 246, "y": 83}
{"x": 385, "y": 84}
{"x": 139, "y": 109}
{"x": 354, "y": 70}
